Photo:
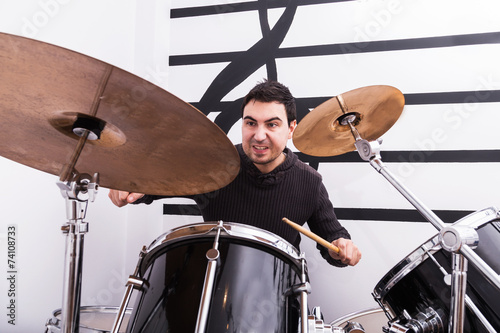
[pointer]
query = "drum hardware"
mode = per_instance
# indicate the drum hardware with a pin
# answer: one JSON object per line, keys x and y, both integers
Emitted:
{"x": 370, "y": 320}
{"x": 298, "y": 288}
{"x": 428, "y": 321}
{"x": 93, "y": 319}
{"x": 303, "y": 294}
{"x": 77, "y": 193}
{"x": 303, "y": 289}
{"x": 316, "y": 322}
{"x": 133, "y": 282}
{"x": 452, "y": 239}
{"x": 446, "y": 275}
{"x": 366, "y": 113}
{"x": 208, "y": 284}
{"x": 353, "y": 327}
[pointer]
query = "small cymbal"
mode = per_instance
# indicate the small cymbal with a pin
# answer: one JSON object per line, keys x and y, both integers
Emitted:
{"x": 146, "y": 139}
{"x": 374, "y": 109}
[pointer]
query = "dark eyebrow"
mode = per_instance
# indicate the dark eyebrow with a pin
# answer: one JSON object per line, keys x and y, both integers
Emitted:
{"x": 248, "y": 117}
{"x": 266, "y": 121}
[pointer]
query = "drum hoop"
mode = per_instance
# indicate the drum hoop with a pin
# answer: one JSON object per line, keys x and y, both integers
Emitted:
{"x": 355, "y": 314}
{"x": 90, "y": 309}
{"x": 415, "y": 258}
{"x": 230, "y": 229}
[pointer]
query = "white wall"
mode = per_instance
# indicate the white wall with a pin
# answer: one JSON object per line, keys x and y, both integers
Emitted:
{"x": 138, "y": 37}
{"x": 421, "y": 128}
{"x": 30, "y": 199}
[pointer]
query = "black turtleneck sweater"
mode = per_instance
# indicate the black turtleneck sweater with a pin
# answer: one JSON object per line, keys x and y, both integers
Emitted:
{"x": 293, "y": 190}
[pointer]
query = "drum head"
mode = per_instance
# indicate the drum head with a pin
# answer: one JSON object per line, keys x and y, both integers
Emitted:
{"x": 92, "y": 319}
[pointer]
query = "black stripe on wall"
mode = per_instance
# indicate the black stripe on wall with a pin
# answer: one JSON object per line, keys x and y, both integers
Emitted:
{"x": 228, "y": 8}
{"x": 420, "y": 156}
{"x": 346, "y": 48}
{"x": 454, "y": 97}
{"x": 362, "y": 214}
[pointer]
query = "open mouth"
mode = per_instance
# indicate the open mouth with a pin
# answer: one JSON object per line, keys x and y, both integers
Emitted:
{"x": 260, "y": 149}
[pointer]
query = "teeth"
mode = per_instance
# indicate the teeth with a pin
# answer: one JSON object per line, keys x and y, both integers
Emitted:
{"x": 260, "y": 148}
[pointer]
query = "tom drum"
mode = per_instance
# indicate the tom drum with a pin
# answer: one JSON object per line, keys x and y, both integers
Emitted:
{"x": 254, "y": 286}
{"x": 417, "y": 290}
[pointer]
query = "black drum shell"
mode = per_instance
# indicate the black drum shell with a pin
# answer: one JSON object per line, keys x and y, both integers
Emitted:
{"x": 251, "y": 282}
{"x": 416, "y": 283}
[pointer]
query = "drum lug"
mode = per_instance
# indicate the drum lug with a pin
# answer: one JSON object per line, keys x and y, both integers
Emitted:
{"x": 298, "y": 288}
{"x": 316, "y": 324}
{"x": 136, "y": 283}
{"x": 133, "y": 282}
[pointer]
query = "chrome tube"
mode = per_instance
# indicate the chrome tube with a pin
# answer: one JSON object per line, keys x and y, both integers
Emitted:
{"x": 132, "y": 282}
{"x": 303, "y": 299}
{"x": 75, "y": 230}
{"x": 72, "y": 284}
{"x": 208, "y": 284}
{"x": 458, "y": 287}
{"x": 378, "y": 165}
{"x": 479, "y": 263}
{"x": 479, "y": 315}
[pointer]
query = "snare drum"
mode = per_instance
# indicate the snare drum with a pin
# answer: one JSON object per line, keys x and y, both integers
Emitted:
{"x": 93, "y": 319}
{"x": 254, "y": 289}
{"x": 417, "y": 285}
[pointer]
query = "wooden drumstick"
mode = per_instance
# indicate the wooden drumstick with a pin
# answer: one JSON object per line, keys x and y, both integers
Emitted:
{"x": 312, "y": 235}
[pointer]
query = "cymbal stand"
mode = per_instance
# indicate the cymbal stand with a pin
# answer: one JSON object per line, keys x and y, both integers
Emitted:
{"x": 77, "y": 192}
{"x": 452, "y": 238}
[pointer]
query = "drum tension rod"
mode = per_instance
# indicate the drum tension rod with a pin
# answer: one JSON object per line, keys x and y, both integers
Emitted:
{"x": 133, "y": 282}
{"x": 208, "y": 284}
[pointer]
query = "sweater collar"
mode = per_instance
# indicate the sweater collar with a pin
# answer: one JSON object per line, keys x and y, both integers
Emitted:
{"x": 266, "y": 179}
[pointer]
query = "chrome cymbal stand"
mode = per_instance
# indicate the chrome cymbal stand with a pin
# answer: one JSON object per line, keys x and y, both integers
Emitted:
{"x": 77, "y": 192}
{"x": 456, "y": 240}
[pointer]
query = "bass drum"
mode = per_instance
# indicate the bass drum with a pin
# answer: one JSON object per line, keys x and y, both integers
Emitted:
{"x": 419, "y": 286}
{"x": 253, "y": 289}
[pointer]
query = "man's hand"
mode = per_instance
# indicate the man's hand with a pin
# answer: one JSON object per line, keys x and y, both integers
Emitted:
{"x": 349, "y": 253}
{"x": 122, "y": 198}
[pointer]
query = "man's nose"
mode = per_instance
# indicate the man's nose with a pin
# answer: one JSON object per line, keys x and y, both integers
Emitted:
{"x": 260, "y": 133}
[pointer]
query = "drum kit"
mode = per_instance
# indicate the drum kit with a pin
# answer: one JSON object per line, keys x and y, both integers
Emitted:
{"x": 93, "y": 125}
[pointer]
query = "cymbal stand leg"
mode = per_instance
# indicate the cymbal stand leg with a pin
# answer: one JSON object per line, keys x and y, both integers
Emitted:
{"x": 77, "y": 193}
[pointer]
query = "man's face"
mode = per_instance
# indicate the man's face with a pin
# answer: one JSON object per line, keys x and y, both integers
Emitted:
{"x": 265, "y": 132}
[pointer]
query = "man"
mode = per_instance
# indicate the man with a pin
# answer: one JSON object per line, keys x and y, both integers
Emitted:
{"x": 272, "y": 183}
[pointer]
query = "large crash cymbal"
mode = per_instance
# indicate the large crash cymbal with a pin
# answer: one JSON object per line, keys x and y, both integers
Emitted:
{"x": 150, "y": 141}
{"x": 374, "y": 110}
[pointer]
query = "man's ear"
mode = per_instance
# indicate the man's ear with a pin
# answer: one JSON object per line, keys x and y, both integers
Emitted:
{"x": 291, "y": 128}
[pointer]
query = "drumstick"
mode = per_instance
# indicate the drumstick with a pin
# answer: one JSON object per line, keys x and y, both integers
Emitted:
{"x": 312, "y": 235}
